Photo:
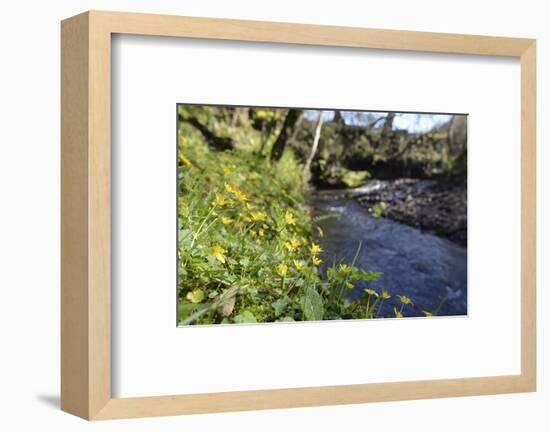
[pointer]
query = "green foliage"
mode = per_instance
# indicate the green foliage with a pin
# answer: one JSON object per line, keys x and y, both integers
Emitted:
{"x": 354, "y": 178}
{"x": 311, "y": 304}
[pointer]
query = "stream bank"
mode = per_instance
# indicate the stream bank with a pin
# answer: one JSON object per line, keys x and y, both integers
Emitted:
{"x": 434, "y": 206}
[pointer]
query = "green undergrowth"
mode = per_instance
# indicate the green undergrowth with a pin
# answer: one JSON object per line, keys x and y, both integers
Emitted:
{"x": 248, "y": 247}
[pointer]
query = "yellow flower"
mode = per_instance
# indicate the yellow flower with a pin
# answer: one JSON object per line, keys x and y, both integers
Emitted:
{"x": 253, "y": 233}
{"x": 371, "y": 292}
{"x": 281, "y": 269}
{"x": 259, "y": 216}
{"x": 349, "y": 285}
{"x": 229, "y": 188}
{"x": 397, "y": 313}
{"x": 195, "y": 296}
{"x": 185, "y": 161}
{"x": 226, "y": 220}
{"x": 261, "y": 232}
{"x": 236, "y": 192}
{"x": 427, "y": 313}
{"x": 241, "y": 196}
{"x": 315, "y": 249}
{"x": 404, "y": 299}
{"x": 292, "y": 244}
{"x": 227, "y": 169}
{"x": 299, "y": 265}
{"x": 385, "y": 294}
{"x": 289, "y": 218}
{"x": 221, "y": 200}
{"x": 320, "y": 231}
{"x": 218, "y": 253}
{"x": 316, "y": 261}
{"x": 344, "y": 268}
{"x": 249, "y": 206}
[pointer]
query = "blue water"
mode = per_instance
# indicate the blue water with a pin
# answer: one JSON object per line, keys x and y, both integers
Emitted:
{"x": 428, "y": 269}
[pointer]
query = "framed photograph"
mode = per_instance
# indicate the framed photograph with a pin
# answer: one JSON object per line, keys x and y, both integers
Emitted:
{"x": 263, "y": 215}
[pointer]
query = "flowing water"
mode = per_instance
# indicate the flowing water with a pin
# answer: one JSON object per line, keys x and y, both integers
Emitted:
{"x": 432, "y": 271}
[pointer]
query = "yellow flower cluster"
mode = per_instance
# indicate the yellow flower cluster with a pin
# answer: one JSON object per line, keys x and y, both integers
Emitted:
{"x": 239, "y": 195}
{"x": 290, "y": 219}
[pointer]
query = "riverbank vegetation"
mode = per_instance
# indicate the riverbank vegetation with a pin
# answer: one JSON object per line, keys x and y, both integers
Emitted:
{"x": 249, "y": 248}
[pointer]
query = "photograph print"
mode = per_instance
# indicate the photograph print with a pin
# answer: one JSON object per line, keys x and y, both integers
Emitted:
{"x": 293, "y": 215}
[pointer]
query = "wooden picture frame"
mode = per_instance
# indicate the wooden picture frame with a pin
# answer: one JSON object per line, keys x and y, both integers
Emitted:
{"x": 86, "y": 213}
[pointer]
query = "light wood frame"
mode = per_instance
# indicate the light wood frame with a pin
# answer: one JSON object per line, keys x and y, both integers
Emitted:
{"x": 86, "y": 213}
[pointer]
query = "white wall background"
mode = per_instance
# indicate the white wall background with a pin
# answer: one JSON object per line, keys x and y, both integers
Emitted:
{"x": 29, "y": 217}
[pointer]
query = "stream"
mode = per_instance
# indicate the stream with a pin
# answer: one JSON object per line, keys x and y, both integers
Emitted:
{"x": 430, "y": 270}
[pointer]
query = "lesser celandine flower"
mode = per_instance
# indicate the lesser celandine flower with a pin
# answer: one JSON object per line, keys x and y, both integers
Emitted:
{"x": 397, "y": 312}
{"x": 185, "y": 161}
{"x": 427, "y": 313}
{"x": 259, "y": 216}
{"x": 316, "y": 261}
{"x": 236, "y": 192}
{"x": 227, "y": 169}
{"x": 299, "y": 265}
{"x": 281, "y": 269}
{"x": 226, "y": 220}
{"x": 315, "y": 249}
{"x": 289, "y": 218}
{"x": 229, "y": 188}
{"x": 240, "y": 195}
{"x": 249, "y": 206}
{"x": 218, "y": 253}
{"x": 385, "y": 294}
{"x": 371, "y": 292}
{"x": 404, "y": 299}
{"x": 292, "y": 244}
{"x": 344, "y": 268}
{"x": 221, "y": 200}
{"x": 349, "y": 285}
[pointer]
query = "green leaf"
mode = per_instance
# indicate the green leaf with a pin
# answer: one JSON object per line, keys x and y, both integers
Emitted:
{"x": 245, "y": 317}
{"x": 186, "y": 309}
{"x": 312, "y": 304}
{"x": 280, "y": 305}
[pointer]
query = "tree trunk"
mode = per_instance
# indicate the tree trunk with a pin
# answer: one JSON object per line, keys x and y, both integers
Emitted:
{"x": 287, "y": 132}
{"x": 386, "y": 130}
{"x": 315, "y": 144}
{"x": 388, "y": 126}
{"x": 338, "y": 119}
